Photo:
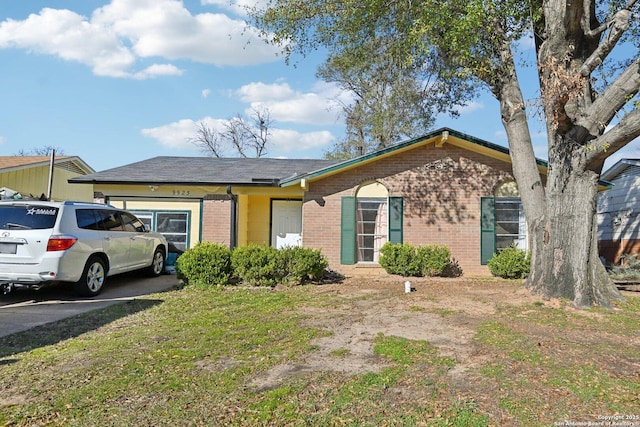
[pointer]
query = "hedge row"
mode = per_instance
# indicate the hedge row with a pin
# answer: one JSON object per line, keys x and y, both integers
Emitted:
{"x": 215, "y": 264}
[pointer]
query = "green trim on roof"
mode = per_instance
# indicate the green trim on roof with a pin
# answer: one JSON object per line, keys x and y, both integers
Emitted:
{"x": 408, "y": 143}
{"x": 397, "y": 147}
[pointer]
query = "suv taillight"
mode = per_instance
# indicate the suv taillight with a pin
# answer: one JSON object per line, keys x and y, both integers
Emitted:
{"x": 60, "y": 243}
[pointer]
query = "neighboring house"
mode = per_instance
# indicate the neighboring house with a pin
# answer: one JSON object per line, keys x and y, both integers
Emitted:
{"x": 32, "y": 176}
{"x": 619, "y": 211}
{"x": 444, "y": 187}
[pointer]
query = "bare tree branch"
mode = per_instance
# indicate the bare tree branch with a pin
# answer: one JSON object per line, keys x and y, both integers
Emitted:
{"x": 40, "y": 151}
{"x": 235, "y": 134}
{"x": 208, "y": 140}
{"x": 258, "y": 131}
{"x": 239, "y": 135}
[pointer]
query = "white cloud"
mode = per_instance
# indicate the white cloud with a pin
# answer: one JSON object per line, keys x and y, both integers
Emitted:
{"x": 2, "y": 140}
{"x": 239, "y": 7}
{"x": 178, "y": 135}
{"x": 158, "y": 70}
{"x": 205, "y": 93}
{"x": 470, "y": 107}
{"x": 124, "y": 31}
{"x": 318, "y": 107}
{"x": 287, "y": 141}
{"x": 174, "y": 135}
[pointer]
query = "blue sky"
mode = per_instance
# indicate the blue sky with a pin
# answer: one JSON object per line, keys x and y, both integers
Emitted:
{"x": 119, "y": 81}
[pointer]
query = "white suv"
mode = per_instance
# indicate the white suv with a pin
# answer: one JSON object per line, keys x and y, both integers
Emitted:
{"x": 48, "y": 242}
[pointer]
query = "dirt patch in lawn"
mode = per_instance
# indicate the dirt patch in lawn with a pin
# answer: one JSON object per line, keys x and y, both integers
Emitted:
{"x": 443, "y": 312}
{"x": 502, "y": 338}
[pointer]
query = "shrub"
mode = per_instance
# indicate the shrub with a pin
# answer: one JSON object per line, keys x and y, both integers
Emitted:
{"x": 301, "y": 265}
{"x": 400, "y": 258}
{"x": 629, "y": 268}
{"x": 257, "y": 265}
{"x": 205, "y": 264}
{"x": 510, "y": 263}
{"x": 407, "y": 260}
{"x": 434, "y": 259}
{"x": 453, "y": 269}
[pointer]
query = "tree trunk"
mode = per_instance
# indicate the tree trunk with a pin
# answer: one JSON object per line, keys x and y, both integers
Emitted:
{"x": 565, "y": 241}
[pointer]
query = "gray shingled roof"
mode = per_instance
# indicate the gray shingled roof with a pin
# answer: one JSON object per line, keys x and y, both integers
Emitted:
{"x": 206, "y": 170}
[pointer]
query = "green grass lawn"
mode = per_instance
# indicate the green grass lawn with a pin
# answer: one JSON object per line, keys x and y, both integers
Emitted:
{"x": 188, "y": 357}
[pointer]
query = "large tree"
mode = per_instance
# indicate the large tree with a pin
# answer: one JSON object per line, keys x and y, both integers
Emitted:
{"x": 588, "y": 99}
{"x": 391, "y": 100}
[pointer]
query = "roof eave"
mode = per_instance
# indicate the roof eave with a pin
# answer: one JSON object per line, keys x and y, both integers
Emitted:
{"x": 78, "y": 180}
{"x": 443, "y": 133}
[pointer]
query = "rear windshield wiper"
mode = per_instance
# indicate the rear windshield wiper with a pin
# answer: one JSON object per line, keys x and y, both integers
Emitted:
{"x": 14, "y": 225}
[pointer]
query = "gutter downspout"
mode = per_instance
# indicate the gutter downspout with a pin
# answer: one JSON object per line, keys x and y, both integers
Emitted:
{"x": 233, "y": 238}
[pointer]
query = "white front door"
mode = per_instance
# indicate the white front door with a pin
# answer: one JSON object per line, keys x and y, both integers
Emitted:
{"x": 286, "y": 223}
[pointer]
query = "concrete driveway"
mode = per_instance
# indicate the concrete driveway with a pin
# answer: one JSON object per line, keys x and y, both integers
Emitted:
{"x": 24, "y": 309}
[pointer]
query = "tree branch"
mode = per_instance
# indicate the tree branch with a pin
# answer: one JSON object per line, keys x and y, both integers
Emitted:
{"x": 207, "y": 139}
{"x": 619, "y": 93}
{"x": 617, "y": 27}
{"x": 616, "y": 138}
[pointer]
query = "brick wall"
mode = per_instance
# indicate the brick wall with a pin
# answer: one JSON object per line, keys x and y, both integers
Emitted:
{"x": 216, "y": 221}
{"x": 612, "y": 250}
{"x": 441, "y": 188}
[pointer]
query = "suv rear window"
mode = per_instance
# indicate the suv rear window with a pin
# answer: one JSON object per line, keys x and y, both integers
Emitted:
{"x": 27, "y": 217}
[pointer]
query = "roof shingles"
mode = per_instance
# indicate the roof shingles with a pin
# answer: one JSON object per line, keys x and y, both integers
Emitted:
{"x": 206, "y": 170}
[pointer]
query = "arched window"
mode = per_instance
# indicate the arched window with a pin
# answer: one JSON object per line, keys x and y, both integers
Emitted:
{"x": 368, "y": 220}
{"x": 372, "y": 221}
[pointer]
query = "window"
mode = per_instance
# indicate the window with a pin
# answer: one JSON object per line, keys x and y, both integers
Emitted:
{"x": 371, "y": 227}
{"x": 367, "y": 222}
{"x": 511, "y": 226}
{"x": 27, "y": 217}
{"x": 174, "y": 225}
{"x": 502, "y": 221}
{"x": 109, "y": 220}
{"x": 131, "y": 223}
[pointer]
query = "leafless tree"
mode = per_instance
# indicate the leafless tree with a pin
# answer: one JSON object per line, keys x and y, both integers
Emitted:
{"x": 208, "y": 140}
{"x": 40, "y": 151}
{"x": 245, "y": 137}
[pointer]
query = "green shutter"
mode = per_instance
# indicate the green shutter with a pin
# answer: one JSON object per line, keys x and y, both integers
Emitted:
{"x": 348, "y": 230}
{"x": 487, "y": 229}
{"x": 395, "y": 219}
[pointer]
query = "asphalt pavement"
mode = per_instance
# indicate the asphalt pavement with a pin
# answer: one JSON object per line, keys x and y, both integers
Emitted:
{"x": 24, "y": 309}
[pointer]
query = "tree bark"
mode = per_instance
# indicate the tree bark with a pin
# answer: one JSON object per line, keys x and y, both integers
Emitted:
{"x": 565, "y": 241}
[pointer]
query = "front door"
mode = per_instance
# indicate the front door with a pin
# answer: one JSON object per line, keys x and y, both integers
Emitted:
{"x": 286, "y": 223}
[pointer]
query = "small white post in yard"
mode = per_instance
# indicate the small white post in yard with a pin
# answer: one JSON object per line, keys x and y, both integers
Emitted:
{"x": 407, "y": 286}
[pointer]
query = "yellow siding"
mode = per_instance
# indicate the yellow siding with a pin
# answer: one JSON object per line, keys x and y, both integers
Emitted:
{"x": 253, "y": 204}
{"x": 35, "y": 181}
{"x": 258, "y": 220}
{"x": 243, "y": 215}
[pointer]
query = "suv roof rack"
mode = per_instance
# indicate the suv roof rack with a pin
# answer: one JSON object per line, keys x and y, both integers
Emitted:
{"x": 78, "y": 203}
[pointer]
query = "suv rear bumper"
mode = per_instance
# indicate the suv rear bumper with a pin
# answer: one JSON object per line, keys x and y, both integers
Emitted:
{"x": 33, "y": 275}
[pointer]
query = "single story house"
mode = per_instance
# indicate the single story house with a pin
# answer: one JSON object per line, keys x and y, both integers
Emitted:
{"x": 619, "y": 211}
{"x": 37, "y": 176}
{"x": 445, "y": 187}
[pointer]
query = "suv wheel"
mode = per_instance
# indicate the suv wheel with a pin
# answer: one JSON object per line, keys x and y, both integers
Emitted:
{"x": 157, "y": 264}
{"x": 92, "y": 279}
